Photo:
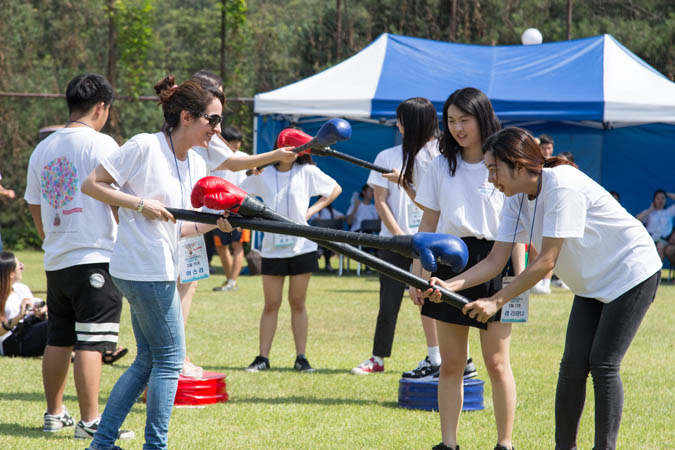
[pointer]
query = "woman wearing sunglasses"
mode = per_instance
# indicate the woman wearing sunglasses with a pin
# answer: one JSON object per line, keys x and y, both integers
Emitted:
{"x": 154, "y": 171}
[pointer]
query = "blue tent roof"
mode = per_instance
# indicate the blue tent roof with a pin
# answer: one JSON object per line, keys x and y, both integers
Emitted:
{"x": 592, "y": 79}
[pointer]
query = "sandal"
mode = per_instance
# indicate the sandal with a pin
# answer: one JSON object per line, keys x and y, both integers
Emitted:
{"x": 111, "y": 357}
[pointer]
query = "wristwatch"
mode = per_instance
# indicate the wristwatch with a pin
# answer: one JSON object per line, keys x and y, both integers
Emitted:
{"x": 139, "y": 208}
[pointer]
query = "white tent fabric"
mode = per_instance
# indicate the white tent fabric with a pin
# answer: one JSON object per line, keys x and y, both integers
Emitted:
{"x": 593, "y": 79}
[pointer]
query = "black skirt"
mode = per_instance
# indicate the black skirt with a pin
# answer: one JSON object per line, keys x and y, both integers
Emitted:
{"x": 478, "y": 250}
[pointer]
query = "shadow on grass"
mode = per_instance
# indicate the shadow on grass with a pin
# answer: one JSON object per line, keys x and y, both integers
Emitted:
{"x": 242, "y": 370}
{"x": 37, "y": 396}
{"x": 16, "y": 429}
{"x": 313, "y": 401}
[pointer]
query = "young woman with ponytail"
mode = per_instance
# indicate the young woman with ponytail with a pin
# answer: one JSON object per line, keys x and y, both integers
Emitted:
{"x": 601, "y": 252}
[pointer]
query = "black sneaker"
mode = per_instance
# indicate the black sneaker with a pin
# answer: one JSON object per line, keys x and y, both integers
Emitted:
{"x": 423, "y": 369}
{"x": 84, "y": 432}
{"x": 302, "y": 365}
{"x": 442, "y": 446}
{"x": 469, "y": 369}
{"x": 258, "y": 364}
{"x": 501, "y": 447}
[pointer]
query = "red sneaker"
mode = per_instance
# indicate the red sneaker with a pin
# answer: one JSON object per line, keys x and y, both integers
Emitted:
{"x": 367, "y": 367}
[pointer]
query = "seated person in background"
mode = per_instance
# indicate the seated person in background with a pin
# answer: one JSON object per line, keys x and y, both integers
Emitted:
{"x": 659, "y": 220}
{"x": 327, "y": 213}
{"x": 362, "y": 208}
{"x": 24, "y": 328}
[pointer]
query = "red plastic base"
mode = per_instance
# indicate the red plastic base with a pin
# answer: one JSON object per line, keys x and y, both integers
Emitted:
{"x": 209, "y": 389}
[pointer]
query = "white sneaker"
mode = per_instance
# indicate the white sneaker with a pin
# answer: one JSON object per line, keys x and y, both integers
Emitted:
{"x": 57, "y": 423}
{"x": 540, "y": 289}
{"x": 367, "y": 367}
{"x": 191, "y": 371}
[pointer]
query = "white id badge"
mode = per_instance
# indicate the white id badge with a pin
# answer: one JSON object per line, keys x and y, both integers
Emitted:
{"x": 414, "y": 215}
{"x": 283, "y": 241}
{"x": 192, "y": 260}
{"x": 515, "y": 311}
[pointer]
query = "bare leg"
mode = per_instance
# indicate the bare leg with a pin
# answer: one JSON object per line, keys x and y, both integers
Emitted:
{"x": 453, "y": 345}
{"x": 55, "y": 364}
{"x": 429, "y": 326}
{"x": 661, "y": 248}
{"x": 297, "y": 296}
{"x": 496, "y": 342}
{"x": 237, "y": 261}
{"x": 186, "y": 291}
{"x": 273, "y": 291}
{"x": 87, "y": 375}
{"x": 225, "y": 258}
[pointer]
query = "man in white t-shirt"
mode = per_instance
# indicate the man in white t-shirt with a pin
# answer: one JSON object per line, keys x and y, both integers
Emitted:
{"x": 78, "y": 234}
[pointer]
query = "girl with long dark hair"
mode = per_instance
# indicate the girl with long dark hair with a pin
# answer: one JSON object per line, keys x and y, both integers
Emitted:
{"x": 459, "y": 200}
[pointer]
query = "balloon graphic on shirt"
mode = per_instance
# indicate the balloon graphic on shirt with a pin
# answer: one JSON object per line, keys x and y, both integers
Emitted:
{"x": 59, "y": 182}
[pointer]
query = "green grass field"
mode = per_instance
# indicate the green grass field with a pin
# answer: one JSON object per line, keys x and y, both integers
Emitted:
{"x": 334, "y": 409}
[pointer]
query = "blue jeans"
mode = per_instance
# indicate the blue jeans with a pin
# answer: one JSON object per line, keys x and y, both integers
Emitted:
{"x": 157, "y": 322}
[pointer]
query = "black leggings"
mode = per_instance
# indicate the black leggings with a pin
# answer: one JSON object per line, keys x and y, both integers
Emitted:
{"x": 598, "y": 337}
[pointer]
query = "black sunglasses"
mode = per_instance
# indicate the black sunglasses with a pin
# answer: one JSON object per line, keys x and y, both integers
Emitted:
{"x": 214, "y": 119}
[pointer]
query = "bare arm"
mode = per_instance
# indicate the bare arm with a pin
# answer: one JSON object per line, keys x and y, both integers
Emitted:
{"x": 36, "y": 213}
{"x": 642, "y": 217}
{"x": 99, "y": 186}
{"x": 322, "y": 202}
{"x": 239, "y": 162}
{"x": 7, "y": 192}
{"x": 393, "y": 176}
{"x": 483, "y": 309}
{"x": 383, "y": 210}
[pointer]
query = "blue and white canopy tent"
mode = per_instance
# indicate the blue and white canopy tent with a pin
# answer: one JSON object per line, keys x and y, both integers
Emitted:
{"x": 597, "y": 99}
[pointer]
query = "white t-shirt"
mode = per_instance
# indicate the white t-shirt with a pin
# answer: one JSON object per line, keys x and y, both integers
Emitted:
{"x": 78, "y": 229}
{"x": 405, "y": 212}
{"x": 469, "y": 204}
{"x": 659, "y": 222}
{"x": 288, "y": 194}
{"x": 16, "y": 295}
{"x": 235, "y": 178}
{"x": 606, "y": 251}
{"x": 423, "y": 160}
{"x": 365, "y": 212}
{"x": 217, "y": 153}
{"x": 145, "y": 166}
{"x": 13, "y": 306}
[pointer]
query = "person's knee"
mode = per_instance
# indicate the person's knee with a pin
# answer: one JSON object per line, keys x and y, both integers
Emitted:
{"x": 452, "y": 366}
{"x": 271, "y": 306}
{"x": 498, "y": 367}
{"x": 297, "y": 304}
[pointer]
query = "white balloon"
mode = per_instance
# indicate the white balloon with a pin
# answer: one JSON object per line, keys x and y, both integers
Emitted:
{"x": 531, "y": 36}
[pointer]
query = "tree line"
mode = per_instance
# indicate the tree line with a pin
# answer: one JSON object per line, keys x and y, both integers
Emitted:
{"x": 255, "y": 45}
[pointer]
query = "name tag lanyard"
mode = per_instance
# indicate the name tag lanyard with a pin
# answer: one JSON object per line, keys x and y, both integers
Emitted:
{"x": 180, "y": 181}
{"x": 516, "y": 310}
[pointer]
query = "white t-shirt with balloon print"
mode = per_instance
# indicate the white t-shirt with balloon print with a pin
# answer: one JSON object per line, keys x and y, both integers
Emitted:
{"x": 78, "y": 229}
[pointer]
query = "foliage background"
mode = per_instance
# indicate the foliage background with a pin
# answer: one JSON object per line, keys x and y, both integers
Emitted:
{"x": 269, "y": 43}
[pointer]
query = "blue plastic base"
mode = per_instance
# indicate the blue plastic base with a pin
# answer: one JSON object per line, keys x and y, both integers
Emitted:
{"x": 423, "y": 394}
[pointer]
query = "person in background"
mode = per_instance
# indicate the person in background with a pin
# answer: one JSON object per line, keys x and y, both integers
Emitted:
{"x": 362, "y": 208}
{"x": 218, "y": 155}
{"x": 23, "y": 318}
{"x": 9, "y": 193}
{"x": 78, "y": 234}
{"x": 659, "y": 220}
{"x": 287, "y": 188}
{"x": 232, "y": 262}
{"x": 327, "y": 213}
{"x": 568, "y": 156}
{"x": 546, "y": 144}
